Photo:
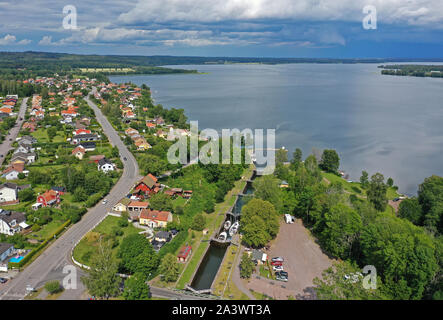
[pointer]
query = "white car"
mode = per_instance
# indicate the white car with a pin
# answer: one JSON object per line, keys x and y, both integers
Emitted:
{"x": 277, "y": 268}
{"x": 104, "y": 201}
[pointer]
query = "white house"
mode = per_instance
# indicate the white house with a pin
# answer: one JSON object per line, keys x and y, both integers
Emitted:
{"x": 12, "y": 222}
{"x": 8, "y": 192}
{"x": 105, "y": 165}
{"x": 6, "y": 249}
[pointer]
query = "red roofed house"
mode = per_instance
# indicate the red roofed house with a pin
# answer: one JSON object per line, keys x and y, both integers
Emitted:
{"x": 82, "y": 131}
{"x": 79, "y": 152}
{"x": 147, "y": 184}
{"x": 184, "y": 254}
{"x": 49, "y": 198}
{"x": 155, "y": 218}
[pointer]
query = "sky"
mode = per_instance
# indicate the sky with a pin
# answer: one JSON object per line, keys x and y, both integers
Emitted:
{"x": 247, "y": 28}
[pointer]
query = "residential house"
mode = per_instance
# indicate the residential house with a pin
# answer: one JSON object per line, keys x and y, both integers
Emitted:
{"x": 142, "y": 144}
{"x": 163, "y": 236}
{"x": 12, "y": 222}
{"x": 137, "y": 206}
{"x": 84, "y": 138}
{"x": 88, "y": 146}
{"x": 6, "y": 250}
{"x": 9, "y": 193}
{"x": 105, "y": 165}
{"x": 29, "y": 157}
{"x": 122, "y": 205}
{"x": 184, "y": 253}
{"x": 49, "y": 198}
{"x": 82, "y": 131}
{"x": 79, "y": 152}
{"x": 13, "y": 170}
{"x": 147, "y": 185}
{"x": 155, "y": 218}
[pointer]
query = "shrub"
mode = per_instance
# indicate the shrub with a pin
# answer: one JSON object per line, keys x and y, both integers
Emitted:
{"x": 53, "y": 287}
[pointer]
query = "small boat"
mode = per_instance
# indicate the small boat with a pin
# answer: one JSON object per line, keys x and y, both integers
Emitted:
{"x": 222, "y": 236}
{"x": 227, "y": 225}
{"x": 234, "y": 229}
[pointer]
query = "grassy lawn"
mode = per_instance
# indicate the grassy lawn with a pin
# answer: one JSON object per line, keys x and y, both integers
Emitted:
{"x": 86, "y": 247}
{"x": 355, "y": 187}
{"x": 46, "y": 230}
{"x": 223, "y": 280}
{"x": 192, "y": 265}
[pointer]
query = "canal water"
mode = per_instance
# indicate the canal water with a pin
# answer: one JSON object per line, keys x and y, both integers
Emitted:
{"x": 213, "y": 258}
{"x": 209, "y": 266}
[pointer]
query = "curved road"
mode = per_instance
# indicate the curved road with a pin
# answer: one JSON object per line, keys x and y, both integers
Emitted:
{"x": 49, "y": 265}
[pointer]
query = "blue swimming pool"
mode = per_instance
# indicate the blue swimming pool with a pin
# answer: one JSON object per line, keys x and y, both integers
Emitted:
{"x": 16, "y": 260}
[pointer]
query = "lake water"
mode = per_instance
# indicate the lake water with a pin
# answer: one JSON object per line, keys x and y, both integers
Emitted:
{"x": 387, "y": 124}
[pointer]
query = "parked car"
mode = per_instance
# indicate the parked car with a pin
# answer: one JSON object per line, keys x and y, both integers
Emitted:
{"x": 276, "y": 263}
{"x": 278, "y": 259}
{"x": 105, "y": 201}
{"x": 281, "y": 276}
{"x": 277, "y": 268}
{"x": 3, "y": 280}
{"x": 125, "y": 158}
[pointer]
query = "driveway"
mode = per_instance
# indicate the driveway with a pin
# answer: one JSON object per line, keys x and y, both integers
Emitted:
{"x": 304, "y": 260}
{"x": 13, "y": 132}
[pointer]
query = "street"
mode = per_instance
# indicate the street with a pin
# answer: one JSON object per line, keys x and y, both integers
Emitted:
{"x": 13, "y": 132}
{"x": 49, "y": 265}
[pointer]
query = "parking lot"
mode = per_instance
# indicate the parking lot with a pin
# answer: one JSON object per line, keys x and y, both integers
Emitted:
{"x": 304, "y": 261}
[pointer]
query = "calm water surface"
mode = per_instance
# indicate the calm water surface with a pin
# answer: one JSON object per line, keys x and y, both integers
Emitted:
{"x": 392, "y": 125}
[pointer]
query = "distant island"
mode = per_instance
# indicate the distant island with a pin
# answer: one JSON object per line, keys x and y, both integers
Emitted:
{"x": 413, "y": 70}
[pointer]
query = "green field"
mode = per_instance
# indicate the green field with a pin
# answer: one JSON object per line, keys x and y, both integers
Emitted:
{"x": 87, "y": 246}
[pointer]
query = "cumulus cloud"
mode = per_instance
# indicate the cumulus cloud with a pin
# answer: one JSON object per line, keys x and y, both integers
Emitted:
{"x": 10, "y": 39}
{"x": 46, "y": 41}
{"x": 423, "y": 12}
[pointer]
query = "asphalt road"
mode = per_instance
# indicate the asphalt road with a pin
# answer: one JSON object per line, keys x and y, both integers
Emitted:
{"x": 13, "y": 132}
{"x": 49, "y": 265}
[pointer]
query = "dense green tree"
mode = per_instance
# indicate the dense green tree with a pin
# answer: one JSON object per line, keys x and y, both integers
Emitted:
{"x": 410, "y": 209}
{"x": 364, "y": 180}
{"x": 259, "y": 222}
{"x": 296, "y": 159}
{"x": 267, "y": 188}
{"x": 132, "y": 247}
{"x": 199, "y": 222}
{"x": 343, "y": 226}
{"x": 330, "y": 161}
{"x": 390, "y": 182}
{"x": 161, "y": 201}
{"x": 53, "y": 287}
{"x": 338, "y": 283}
{"x": 169, "y": 268}
{"x": 377, "y": 192}
{"x": 430, "y": 197}
{"x": 102, "y": 280}
{"x": 136, "y": 288}
{"x": 403, "y": 254}
{"x": 247, "y": 266}
{"x": 26, "y": 195}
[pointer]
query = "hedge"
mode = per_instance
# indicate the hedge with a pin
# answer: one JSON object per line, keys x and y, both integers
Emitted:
{"x": 39, "y": 248}
{"x": 174, "y": 245}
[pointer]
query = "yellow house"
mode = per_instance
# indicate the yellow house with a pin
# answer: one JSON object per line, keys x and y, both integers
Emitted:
{"x": 155, "y": 218}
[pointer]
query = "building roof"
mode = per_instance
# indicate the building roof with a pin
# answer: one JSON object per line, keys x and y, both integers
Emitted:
{"x": 163, "y": 235}
{"x": 149, "y": 180}
{"x": 184, "y": 252}
{"x": 104, "y": 161}
{"x": 5, "y": 247}
{"x": 155, "y": 215}
{"x": 138, "y": 204}
{"x": 9, "y": 216}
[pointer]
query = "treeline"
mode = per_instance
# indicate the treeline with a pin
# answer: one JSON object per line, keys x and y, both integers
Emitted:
{"x": 435, "y": 71}
{"x": 356, "y": 229}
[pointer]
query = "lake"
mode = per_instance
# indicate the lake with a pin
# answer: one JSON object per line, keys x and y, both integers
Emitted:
{"x": 377, "y": 123}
